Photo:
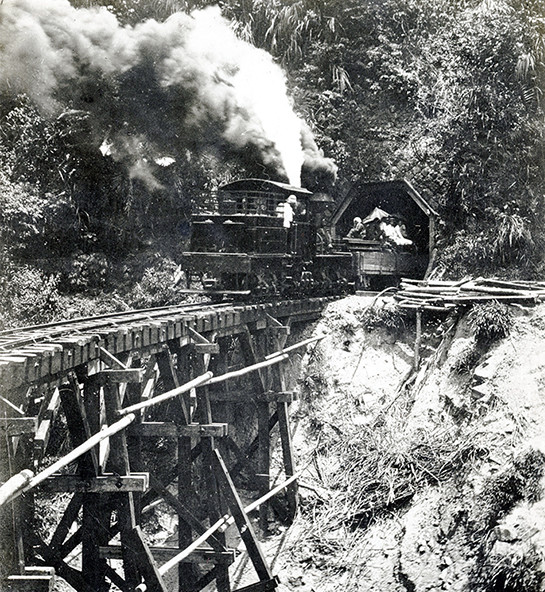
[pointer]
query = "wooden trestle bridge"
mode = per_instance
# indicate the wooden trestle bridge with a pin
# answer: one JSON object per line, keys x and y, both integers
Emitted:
{"x": 149, "y": 405}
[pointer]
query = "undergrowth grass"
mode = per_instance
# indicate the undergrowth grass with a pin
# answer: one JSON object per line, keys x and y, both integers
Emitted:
{"x": 380, "y": 468}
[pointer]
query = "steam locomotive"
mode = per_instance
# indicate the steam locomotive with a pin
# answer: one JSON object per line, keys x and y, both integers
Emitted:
{"x": 242, "y": 243}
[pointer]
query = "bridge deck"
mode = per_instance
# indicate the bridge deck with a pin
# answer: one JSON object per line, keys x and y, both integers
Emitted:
{"x": 97, "y": 379}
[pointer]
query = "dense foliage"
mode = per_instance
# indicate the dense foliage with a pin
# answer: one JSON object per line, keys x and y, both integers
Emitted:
{"x": 447, "y": 93}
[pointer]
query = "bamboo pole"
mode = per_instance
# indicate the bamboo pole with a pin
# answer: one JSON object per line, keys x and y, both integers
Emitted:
{"x": 224, "y": 521}
{"x": 243, "y": 371}
{"x": 15, "y": 484}
{"x": 184, "y": 388}
{"x": 26, "y": 480}
{"x": 417, "y": 339}
{"x": 294, "y": 347}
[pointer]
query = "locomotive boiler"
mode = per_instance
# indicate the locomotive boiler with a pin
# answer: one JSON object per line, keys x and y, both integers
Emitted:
{"x": 265, "y": 238}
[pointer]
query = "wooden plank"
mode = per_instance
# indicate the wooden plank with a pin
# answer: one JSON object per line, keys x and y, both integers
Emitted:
{"x": 288, "y": 456}
{"x": 106, "y": 483}
{"x": 54, "y": 352}
{"x": 156, "y": 429}
{"x": 13, "y": 371}
{"x": 210, "y": 430}
{"x": 187, "y": 523}
{"x": 94, "y": 533}
{"x": 200, "y": 555}
{"x": 275, "y": 323}
{"x": 166, "y": 369}
{"x": 252, "y": 448}
{"x": 151, "y": 429}
{"x": 259, "y": 384}
{"x": 46, "y": 419}
{"x": 68, "y": 518}
{"x": 206, "y": 348}
{"x": 78, "y": 426}
{"x": 134, "y": 442}
{"x": 146, "y": 562}
{"x": 263, "y": 461}
{"x": 241, "y": 519}
{"x": 197, "y": 337}
{"x": 30, "y": 583}
{"x": 33, "y": 362}
{"x": 92, "y": 401}
{"x": 119, "y": 463}
{"x": 131, "y": 375}
{"x": 111, "y": 360}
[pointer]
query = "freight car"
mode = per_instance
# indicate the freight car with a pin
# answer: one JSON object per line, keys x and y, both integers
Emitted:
{"x": 383, "y": 253}
{"x": 265, "y": 238}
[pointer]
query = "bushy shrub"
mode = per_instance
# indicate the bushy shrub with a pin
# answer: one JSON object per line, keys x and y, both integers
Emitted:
{"x": 87, "y": 272}
{"x": 512, "y": 240}
{"x": 35, "y": 225}
{"x": 391, "y": 318}
{"x": 156, "y": 288}
{"x": 490, "y": 321}
{"x": 28, "y": 296}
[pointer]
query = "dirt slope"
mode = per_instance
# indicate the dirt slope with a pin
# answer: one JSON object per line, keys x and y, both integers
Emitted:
{"x": 421, "y": 481}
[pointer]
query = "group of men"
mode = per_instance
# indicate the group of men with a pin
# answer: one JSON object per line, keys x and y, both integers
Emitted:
{"x": 389, "y": 230}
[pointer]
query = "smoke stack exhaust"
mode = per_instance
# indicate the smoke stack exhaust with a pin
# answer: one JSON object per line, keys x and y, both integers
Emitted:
{"x": 155, "y": 89}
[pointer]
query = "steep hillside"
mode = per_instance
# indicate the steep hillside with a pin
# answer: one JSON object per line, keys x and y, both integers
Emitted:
{"x": 420, "y": 481}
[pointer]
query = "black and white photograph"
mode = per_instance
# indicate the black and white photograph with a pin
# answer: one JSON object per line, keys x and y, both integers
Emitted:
{"x": 272, "y": 295}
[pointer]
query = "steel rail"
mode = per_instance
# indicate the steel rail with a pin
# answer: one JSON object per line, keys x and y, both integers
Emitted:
{"x": 37, "y": 333}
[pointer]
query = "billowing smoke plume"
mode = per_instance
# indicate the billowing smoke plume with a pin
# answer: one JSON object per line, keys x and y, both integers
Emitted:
{"x": 158, "y": 89}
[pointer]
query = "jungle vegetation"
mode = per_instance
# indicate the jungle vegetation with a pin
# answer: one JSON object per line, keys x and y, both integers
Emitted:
{"x": 447, "y": 93}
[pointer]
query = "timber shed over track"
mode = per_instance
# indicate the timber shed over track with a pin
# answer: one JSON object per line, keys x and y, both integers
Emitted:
{"x": 397, "y": 200}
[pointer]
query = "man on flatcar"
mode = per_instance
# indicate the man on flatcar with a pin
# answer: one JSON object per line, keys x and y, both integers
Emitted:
{"x": 357, "y": 230}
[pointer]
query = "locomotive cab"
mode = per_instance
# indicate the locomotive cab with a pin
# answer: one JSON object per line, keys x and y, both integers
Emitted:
{"x": 249, "y": 219}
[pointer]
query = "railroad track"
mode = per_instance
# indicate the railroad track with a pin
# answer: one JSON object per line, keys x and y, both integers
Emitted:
{"x": 46, "y": 353}
{"x": 21, "y": 336}
{"x": 91, "y": 381}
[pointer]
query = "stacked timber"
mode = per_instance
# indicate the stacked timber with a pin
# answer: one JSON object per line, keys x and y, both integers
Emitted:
{"x": 441, "y": 295}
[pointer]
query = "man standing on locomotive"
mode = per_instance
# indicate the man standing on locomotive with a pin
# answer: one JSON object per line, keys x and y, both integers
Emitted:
{"x": 287, "y": 211}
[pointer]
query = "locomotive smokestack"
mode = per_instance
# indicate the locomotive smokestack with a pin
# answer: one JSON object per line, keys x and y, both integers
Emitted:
{"x": 155, "y": 89}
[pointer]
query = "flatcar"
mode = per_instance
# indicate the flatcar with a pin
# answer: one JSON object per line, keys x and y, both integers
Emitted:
{"x": 398, "y": 238}
{"x": 265, "y": 238}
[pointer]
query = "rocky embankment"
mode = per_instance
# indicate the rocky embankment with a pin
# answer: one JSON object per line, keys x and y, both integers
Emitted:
{"x": 419, "y": 480}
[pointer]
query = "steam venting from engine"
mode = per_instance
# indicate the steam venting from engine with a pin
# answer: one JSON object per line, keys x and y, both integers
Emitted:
{"x": 158, "y": 89}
